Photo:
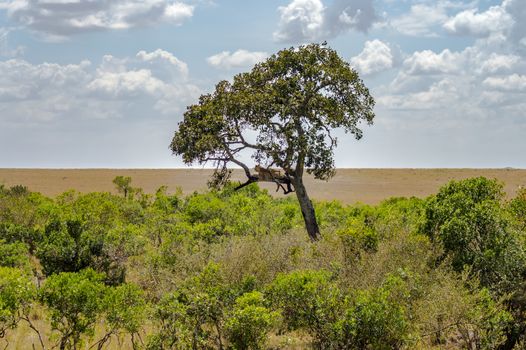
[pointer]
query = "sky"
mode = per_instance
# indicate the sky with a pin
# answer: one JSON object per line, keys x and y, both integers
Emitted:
{"x": 103, "y": 84}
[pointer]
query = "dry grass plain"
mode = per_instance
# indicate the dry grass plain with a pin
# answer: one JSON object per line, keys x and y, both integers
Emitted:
{"x": 349, "y": 185}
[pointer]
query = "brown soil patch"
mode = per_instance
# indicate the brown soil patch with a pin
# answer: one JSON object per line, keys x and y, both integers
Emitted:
{"x": 349, "y": 185}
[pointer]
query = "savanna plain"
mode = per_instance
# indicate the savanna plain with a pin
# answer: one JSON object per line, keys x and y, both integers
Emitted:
{"x": 153, "y": 259}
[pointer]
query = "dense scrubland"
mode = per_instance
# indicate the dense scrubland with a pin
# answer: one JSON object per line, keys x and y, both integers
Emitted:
{"x": 235, "y": 270}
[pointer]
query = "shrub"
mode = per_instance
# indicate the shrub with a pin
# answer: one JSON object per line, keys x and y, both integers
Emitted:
{"x": 517, "y": 207}
{"x": 307, "y": 300}
{"x": 357, "y": 238}
{"x": 14, "y": 255}
{"x": 70, "y": 247}
{"x": 249, "y": 322}
{"x": 194, "y": 314}
{"x": 16, "y": 294}
{"x": 13, "y": 233}
{"x": 466, "y": 218}
{"x": 174, "y": 330}
{"x": 75, "y": 302}
{"x": 124, "y": 307}
{"x": 374, "y": 319}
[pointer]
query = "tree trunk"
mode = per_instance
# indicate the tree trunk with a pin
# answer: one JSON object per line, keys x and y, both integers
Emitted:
{"x": 307, "y": 209}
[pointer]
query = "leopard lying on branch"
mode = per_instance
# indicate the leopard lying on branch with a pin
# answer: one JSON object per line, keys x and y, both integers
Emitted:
{"x": 270, "y": 175}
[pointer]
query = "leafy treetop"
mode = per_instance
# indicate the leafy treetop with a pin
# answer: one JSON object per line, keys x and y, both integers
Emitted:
{"x": 283, "y": 112}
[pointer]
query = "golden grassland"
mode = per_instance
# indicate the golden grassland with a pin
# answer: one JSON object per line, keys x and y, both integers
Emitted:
{"x": 368, "y": 186}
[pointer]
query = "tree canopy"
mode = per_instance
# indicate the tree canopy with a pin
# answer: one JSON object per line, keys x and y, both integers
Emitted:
{"x": 282, "y": 114}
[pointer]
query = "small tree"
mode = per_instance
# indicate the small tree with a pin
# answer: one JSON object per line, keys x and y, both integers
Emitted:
{"x": 249, "y": 322}
{"x": 283, "y": 113}
{"x": 125, "y": 310}
{"x": 467, "y": 219}
{"x": 123, "y": 184}
{"x": 16, "y": 294}
{"x": 307, "y": 300}
{"x": 75, "y": 301}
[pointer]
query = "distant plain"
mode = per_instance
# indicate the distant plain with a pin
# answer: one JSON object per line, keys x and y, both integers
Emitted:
{"x": 349, "y": 186}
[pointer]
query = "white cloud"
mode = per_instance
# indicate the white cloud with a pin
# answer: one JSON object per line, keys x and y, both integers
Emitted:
{"x": 375, "y": 57}
{"x": 301, "y": 19}
{"x": 310, "y": 20}
{"x": 57, "y": 19}
{"x": 496, "y": 63}
{"x": 517, "y": 33}
{"x": 426, "y": 18}
{"x": 174, "y": 67}
{"x": 125, "y": 84}
{"x": 440, "y": 95}
{"x": 511, "y": 83}
{"x": 470, "y": 22}
{"x": 482, "y": 81}
{"x": 178, "y": 12}
{"x": 237, "y": 59}
{"x": 429, "y": 62}
{"x": 505, "y": 23}
{"x": 32, "y": 93}
{"x": 421, "y": 20}
{"x": 49, "y": 91}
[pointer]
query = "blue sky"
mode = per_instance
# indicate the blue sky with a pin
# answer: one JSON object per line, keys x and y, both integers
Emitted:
{"x": 99, "y": 83}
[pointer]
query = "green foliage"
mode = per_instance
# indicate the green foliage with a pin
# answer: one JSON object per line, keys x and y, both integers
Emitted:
{"x": 292, "y": 103}
{"x": 174, "y": 330}
{"x": 206, "y": 297}
{"x": 396, "y": 215}
{"x": 23, "y": 216}
{"x": 125, "y": 308}
{"x": 166, "y": 203}
{"x": 16, "y": 295}
{"x": 74, "y": 300}
{"x": 13, "y": 233}
{"x": 125, "y": 311}
{"x": 214, "y": 214}
{"x": 229, "y": 269}
{"x": 452, "y": 308}
{"x": 194, "y": 314}
{"x": 14, "y": 255}
{"x": 59, "y": 250}
{"x": 18, "y": 191}
{"x": 249, "y": 322}
{"x": 307, "y": 300}
{"x": 374, "y": 319}
{"x": 467, "y": 219}
{"x": 357, "y": 238}
{"x": 93, "y": 230}
{"x": 309, "y": 88}
{"x": 517, "y": 207}
{"x": 123, "y": 184}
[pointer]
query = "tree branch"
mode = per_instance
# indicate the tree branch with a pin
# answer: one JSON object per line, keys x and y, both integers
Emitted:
{"x": 235, "y": 161}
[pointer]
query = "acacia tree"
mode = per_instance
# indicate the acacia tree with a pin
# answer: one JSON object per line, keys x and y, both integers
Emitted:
{"x": 283, "y": 113}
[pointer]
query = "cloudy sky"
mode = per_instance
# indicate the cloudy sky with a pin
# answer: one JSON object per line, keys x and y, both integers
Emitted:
{"x": 100, "y": 83}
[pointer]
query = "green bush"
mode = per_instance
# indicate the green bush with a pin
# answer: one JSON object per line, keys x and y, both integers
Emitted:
{"x": 70, "y": 247}
{"x": 16, "y": 295}
{"x": 249, "y": 322}
{"x": 174, "y": 330}
{"x": 374, "y": 319}
{"x": 307, "y": 300}
{"x": 75, "y": 302}
{"x": 14, "y": 255}
{"x": 356, "y": 239}
{"x": 467, "y": 219}
{"x": 517, "y": 207}
{"x": 196, "y": 310}
{"x": 125, "y": 312}
{"x": 13, "y": 233}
